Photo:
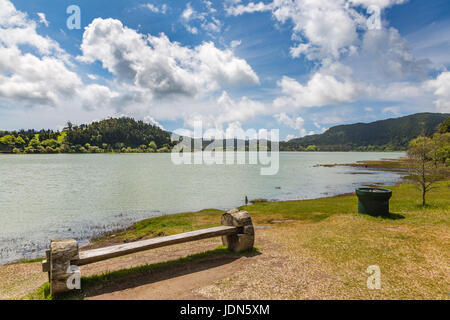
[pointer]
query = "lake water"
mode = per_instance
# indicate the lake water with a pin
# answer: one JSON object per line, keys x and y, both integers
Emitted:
{"x": 80, "y": 196}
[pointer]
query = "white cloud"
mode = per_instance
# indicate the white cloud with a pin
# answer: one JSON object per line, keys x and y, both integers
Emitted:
{"x": 441, "y": 89}
{"x": 44, "y": 78}
{"x": 241, "y": 110}
{"x": 386, "y": 56}
{"x": 379, "y": 3}
{"x": 151, "y": 7}
{"x": 329, "y": 26}
{"x": 192, "y": 30}
{"x": 42, "y": 18}
{"x": 29, "y": 79}
{"x": 235, "y": 43}
{"x": 222, "y": 111}
{"x": 322, "y": 28}
{"x": 155, "y": 9}
{"x": 207, "y": 20}
{"x": 395, "y": 111}
{"x": 189, "y": 13}
{"x": 296, "y": 123}
{"x": 249, "y": 8}
{"x": 16, "y": 29}
{"x": 290, "y": 137}
{"x": 152, "y": 121}
{"x": 322, "y": 89}
{"x": 162, "y": 67}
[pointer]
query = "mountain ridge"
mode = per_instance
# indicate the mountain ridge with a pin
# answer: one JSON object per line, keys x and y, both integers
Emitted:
{"x": 380, "y": 135}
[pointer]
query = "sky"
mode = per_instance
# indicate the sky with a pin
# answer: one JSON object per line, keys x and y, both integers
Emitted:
{"x": 300, "y": 66}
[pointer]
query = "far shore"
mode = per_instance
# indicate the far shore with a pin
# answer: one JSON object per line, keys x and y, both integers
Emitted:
{"x": 165, "y": 152}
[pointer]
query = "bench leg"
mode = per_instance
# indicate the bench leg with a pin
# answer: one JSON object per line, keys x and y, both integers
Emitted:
{"x": 61, "y": 253}
{"x": 244, "y": 240}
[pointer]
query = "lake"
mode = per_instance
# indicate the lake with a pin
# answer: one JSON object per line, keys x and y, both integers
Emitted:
{"x": 83, "y": 195}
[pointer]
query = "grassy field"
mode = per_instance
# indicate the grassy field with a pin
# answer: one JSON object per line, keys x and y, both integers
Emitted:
{"x": 404, "y": 203}
{"x": 321, "y": 248}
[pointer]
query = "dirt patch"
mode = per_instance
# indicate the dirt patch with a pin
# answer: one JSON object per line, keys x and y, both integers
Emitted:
{"x": 174, "y": 283}
{"x": 16, "y": 280}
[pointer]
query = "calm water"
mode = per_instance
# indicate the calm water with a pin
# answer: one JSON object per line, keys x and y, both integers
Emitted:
{"x": 80, "y": 196}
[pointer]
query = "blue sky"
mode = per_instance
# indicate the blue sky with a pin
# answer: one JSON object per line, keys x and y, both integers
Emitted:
{"x": 298, "y": 65}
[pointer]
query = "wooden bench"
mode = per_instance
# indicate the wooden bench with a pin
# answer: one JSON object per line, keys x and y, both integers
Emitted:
{"x": 237, "y": 234}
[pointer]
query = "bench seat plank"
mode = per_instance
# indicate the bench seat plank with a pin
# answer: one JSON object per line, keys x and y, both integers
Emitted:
{"x": 95, "y": 255}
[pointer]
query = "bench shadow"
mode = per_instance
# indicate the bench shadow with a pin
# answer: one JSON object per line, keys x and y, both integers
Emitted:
{"x": 152, "y": 273}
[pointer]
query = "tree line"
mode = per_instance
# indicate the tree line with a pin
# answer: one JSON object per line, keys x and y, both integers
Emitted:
{"x": 110, "y": 135}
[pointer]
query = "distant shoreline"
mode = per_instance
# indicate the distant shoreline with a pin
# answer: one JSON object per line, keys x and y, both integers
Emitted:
{"x": 109, "y": 152}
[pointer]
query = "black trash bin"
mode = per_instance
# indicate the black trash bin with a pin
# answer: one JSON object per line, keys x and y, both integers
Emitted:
{"x": 373, "y": 201}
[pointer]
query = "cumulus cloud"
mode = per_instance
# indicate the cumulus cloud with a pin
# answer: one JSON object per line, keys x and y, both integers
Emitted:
{"x": 42, "y": 18}
{"x": 42, "y": 78}
{"x": 385, "y": 53}
{"x": 189, "y": 13}
{"x": 249, "y": 8}
{"x": 296, "y": 123}
{"x": 17, "y": 29}
{"x": 382, "y": 4}
{"x": 241, "y": 110}
{"x": 30, "y": 79}
{"x": 321, "y": 28}
{"x": 321, "y": 90}
{"x": 441, "y": 89}
{"x": 220, "y": 112}
{"x": 290, "y": 137}
{"x": 155, "y": 9}
{"x": 160, "y": 66}
{"x": 152, "y": 121}
{"x": 329, "y": 26}
{"x": 207, "y": 20}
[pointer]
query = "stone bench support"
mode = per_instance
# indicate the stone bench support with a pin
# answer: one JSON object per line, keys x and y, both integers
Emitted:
{"x": 244, "y": 239}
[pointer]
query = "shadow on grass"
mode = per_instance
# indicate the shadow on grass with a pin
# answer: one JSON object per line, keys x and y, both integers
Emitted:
{"x": 389, "y": 216}
{"x": 151, "y": 273}
{"x": 393, "y": 216}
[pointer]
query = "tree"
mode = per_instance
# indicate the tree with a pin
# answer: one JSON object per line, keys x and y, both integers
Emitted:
{"x": 152, "y": 145}
{"x": 8, "y": 140}
{"x": 423, "y": 167}
{"x": 444, "y": 127}
{"x": 441, "y": 148}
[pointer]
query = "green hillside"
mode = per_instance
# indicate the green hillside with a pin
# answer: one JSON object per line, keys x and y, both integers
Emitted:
{"x": 383, "y": 135}
{"x": 110, "y": 135}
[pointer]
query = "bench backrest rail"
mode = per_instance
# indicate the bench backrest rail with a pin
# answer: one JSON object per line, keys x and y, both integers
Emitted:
{"x": 95, "y": 255}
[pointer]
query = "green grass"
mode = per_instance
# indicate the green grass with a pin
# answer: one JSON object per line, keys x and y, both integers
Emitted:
{"x": 168, "y": 225}
{"x": 92, "y": 282}
{"x": 32, "y": 260}
{"x": 42, "y": 293}
{"x": 406, "y": 198}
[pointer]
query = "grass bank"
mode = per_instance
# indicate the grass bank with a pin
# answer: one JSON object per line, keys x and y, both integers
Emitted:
{"x": 405, "y": 200}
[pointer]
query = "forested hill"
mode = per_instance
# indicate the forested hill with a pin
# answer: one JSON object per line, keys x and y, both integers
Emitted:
{"x": 383, "y": 135}
{"x": 110, "y": 135}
